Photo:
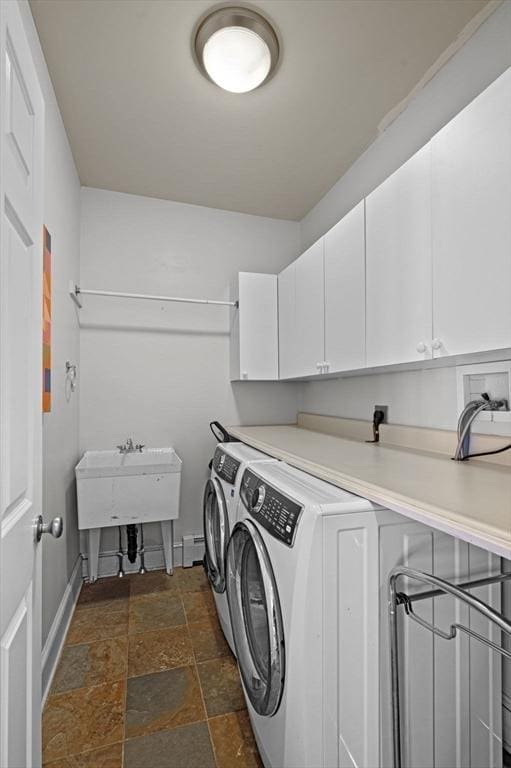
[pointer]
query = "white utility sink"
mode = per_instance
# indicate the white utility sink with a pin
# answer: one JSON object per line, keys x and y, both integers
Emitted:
{"x": 149, "y": 461}
{"x": 123, "y": 488}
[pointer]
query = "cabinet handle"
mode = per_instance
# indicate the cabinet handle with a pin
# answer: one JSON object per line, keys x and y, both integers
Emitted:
{"x": 326, "y": 366}
{"x": 319, "y": 366}
{"x": 421, "y": 347}
{"x": 436, "y": 344}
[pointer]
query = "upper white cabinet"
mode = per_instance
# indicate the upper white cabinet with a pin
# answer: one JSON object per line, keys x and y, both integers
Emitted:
{"x": 310, "y": 310}
{"x": 301, "y": 315}
{"x": 254, "y": 328}
{"x": 471, "y": 214}
{"x": 398, "y": 264}
{"x": 420, "y": 269}
{"x": 345, "y": 293}
{"x": 288, "y": 364}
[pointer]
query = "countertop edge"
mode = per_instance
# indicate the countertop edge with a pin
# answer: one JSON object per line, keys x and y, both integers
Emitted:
{"x": 446, "y": 521}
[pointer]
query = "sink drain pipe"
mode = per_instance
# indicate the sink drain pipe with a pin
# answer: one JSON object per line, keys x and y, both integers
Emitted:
{"x": 132, "y": 531}
{"x": 133, "y": 548}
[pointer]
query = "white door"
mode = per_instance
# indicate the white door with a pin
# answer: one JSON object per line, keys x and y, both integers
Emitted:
{"x": 21, "y": 164}
{"x": 310, "y": 310}
{"x": 398, "y": 259}
{"x": 471, "y": 204}
{"x": 345, "y": 293}
{"x": 287, "y": 322}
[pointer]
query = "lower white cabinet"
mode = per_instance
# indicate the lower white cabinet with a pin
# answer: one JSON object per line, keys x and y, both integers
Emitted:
{"x": 451, "y": 692}
{"x": 254, "y": 328}
{"x": 471, "y": 216}
{"x": 398, "y": 265}
{"x": 345, "y": 304}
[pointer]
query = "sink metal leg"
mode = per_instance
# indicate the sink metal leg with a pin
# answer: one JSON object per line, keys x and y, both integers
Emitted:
{"x": 167, "y": 534}
{"x": 94, "y": 539}
{"x": 141, "y": 550}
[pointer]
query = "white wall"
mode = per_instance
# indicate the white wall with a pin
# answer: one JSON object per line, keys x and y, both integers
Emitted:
{"x": 60, "y": 427}
{"x": 424, "y": 398}
{"x": 160, "y": 372}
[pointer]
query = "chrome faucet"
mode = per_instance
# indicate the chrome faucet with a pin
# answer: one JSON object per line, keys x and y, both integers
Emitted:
{"x": 128, "y": 447}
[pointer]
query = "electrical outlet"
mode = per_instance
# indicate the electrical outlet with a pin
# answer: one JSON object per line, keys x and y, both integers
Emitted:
{"x": 385, "y": 410}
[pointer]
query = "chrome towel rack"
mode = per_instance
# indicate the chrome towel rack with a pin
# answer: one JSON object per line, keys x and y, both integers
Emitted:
{"x": 75, "y": 292}
{"x": 441, "y": 587}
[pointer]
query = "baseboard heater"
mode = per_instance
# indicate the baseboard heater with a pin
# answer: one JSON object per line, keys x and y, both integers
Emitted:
{"x": 186, "y": 553}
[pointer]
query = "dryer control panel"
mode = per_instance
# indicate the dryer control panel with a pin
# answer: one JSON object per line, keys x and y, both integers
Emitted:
{"x": 225, "y": 466}
{"x": 273, "y": 510}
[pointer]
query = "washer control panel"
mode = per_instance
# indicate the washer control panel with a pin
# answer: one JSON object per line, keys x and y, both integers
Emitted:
{"x": 277, "y": 513}
{"x": 225, "y": 466}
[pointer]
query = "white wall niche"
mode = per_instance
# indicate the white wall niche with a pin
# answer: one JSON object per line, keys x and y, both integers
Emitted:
{"x": 493, "y": 378}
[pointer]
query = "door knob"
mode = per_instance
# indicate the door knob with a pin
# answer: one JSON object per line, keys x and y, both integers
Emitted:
{"x": 421, "y": 347}
{"x": 55, "y": 527}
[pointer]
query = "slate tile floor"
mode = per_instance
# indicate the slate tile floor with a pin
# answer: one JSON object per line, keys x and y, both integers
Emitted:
{"x": 146, "y": 680}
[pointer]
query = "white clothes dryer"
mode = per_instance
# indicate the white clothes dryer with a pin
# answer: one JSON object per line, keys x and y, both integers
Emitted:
{"x": 220, "y": 507}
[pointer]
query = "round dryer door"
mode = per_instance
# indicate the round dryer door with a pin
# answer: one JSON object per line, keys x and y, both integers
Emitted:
{"x": 256, "y": 618}
{"x": 216, "y": 533}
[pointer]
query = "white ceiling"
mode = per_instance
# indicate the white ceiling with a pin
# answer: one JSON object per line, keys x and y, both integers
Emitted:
{"x": 142, "y": 119}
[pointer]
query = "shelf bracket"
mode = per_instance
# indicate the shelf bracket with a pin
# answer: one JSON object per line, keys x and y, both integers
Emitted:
{"x": 74, "y": 290}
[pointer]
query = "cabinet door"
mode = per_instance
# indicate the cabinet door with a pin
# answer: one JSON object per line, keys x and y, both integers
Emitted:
{"x": 345, "y": 293}
{"x": 471, "y": 216}
{"x": 310, "y": 310}
{"x": 398, "y": 259}
{"x": 254, "y": 334}
{"x": 287, "y": 322}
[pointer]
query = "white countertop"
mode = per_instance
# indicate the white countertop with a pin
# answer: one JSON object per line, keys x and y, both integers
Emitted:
{"x": 470, "y": 500}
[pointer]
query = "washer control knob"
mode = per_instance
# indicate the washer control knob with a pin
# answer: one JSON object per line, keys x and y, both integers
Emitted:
{"x": 257, "y": 500}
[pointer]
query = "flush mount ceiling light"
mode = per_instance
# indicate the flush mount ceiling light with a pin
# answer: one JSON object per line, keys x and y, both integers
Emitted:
{"x": 236, "y": 48}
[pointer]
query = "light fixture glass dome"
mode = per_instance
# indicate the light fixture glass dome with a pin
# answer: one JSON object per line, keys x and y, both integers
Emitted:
{"x": 236, "y": 48}
{"x": 236, "y": 59}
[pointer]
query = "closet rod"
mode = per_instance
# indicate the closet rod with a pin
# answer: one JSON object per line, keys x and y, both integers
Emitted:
{"x": 442, "y": 587}
{"x": 75, "y": 291}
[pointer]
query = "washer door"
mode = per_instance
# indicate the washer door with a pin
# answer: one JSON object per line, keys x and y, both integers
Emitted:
{"x": 216, "y": 533}
{"x": 256, "y": 618}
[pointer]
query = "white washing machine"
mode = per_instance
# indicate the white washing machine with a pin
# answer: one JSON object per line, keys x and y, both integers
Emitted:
{"x": 275, "y": 594}
{"x": 220, "y": 506}
{"x": 307, "y": 588}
